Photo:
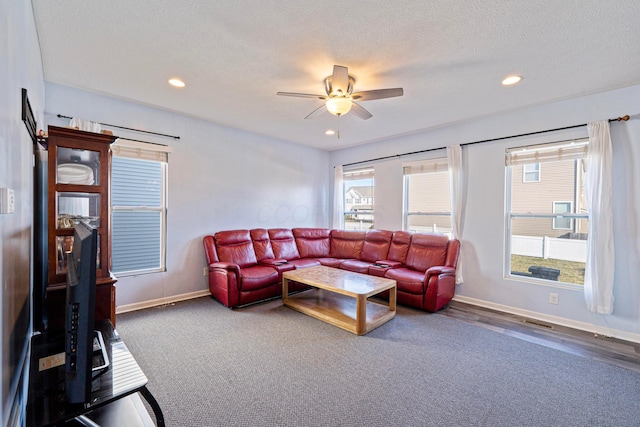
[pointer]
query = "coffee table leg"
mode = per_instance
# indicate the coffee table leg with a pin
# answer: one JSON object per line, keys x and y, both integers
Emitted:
{"x": 393, "y": 295}
{"x": 361, "y": 314}
{"x": 285, "y": 289}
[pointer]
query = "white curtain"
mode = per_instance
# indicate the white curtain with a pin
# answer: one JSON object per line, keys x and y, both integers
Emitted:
{"x": 598, "y": 276}
{"x": 454, "y": 160}
{"x": 86, "y": 125}
{"x": 337, "y": 221}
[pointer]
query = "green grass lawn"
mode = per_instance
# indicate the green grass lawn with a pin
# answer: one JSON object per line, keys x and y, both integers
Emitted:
{"x": 570, "y": 271}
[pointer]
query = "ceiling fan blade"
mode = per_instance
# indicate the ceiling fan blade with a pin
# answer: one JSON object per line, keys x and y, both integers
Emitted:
{"x": 360, "y": 111}
{"x": 302, "y": 95}
{"x": 318, "y": 112}
{"x": 367, "y": 95}
{"x": 340, "y": 79}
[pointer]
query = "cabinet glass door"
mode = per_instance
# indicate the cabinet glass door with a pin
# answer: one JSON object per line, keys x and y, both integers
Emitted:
{"x": 78, "y": 167}
{"x": 64, "y": 245}
{"x": 74, "y": 207}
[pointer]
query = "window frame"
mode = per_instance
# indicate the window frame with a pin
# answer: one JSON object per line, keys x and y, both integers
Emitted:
{"x": 152, "y": 153}
{"x": 437, "y": 164}
{"x": 366, "y": 172}
{"x": 510, "y": 216}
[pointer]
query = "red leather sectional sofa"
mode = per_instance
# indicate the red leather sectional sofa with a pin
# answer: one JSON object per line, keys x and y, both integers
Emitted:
{"x": 246, "y": 266}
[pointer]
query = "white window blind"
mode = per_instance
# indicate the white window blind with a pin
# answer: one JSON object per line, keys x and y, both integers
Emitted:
{"x": 426, "y": 166}
{"x": 566, "y": 150}
{"x": 138, "y": 200}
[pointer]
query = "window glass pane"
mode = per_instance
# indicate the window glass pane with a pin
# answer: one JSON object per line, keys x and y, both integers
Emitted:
{"x": 440, "y": 224}
{"x": 358, "y": 199}
{"x": 136, "y": 182}
{"x": 136, "y": 240}
{"x": 547, "y": 255}
{"x": 562, "y": 181}
{"x": 428, "y": 192}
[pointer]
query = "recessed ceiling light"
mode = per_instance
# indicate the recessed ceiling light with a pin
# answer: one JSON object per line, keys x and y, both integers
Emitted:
{"x": 177, "y": 83}
{"x": 511, "y": 80}
{"x": 330, "y": 132}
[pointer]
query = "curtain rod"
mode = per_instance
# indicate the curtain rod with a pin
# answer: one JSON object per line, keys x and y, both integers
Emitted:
{"x": 60, "y": 116}
{"x": 618, "y": 119}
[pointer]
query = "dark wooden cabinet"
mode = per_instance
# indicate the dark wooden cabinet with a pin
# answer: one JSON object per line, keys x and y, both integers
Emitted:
{"x": 79, "y": 178}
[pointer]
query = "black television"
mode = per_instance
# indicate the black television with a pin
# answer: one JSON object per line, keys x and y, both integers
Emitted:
{"x": 80, "y": 313}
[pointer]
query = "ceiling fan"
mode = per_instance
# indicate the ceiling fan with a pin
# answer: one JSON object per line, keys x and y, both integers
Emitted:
{"x": 340, "y": 98}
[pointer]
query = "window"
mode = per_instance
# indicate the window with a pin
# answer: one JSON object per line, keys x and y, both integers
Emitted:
{"x": 531, "y": 172}
{"x": 427, "y": 199}
{"x": 547, "y": 220}
{"x": 358, "y": 198}
{"x": 138, "y": 186}
{"x": 560, "y": 222}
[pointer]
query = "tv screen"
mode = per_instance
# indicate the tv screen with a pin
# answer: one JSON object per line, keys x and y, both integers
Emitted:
{"x": 80, "y": 313}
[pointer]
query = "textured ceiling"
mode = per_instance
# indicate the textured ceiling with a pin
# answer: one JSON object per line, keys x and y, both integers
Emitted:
{"x": 448, "y": 55}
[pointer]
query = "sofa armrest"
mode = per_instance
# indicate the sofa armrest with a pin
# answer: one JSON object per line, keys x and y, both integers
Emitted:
{"x": 225, "y": 266}
{"x": 440, "y": 269}
{"x": 385, "y": 263}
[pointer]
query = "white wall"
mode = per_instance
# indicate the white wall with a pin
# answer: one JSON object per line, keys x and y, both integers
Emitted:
{"x": 483, "y": 252}
{"x": 20, "y": 67}
{"x": 219, "y": 179}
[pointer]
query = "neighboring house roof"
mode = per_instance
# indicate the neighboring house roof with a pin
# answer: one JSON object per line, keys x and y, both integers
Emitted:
{"x": 361, "y": 192}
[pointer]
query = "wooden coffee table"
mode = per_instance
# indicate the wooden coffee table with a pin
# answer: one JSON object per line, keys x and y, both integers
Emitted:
{"x": 340, "y": 297}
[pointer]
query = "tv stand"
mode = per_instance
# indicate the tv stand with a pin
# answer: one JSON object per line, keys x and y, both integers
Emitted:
{"x": 114, "y": 394}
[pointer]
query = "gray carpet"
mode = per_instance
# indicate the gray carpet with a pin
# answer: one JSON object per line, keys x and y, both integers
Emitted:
{"x": 267, "y": 365}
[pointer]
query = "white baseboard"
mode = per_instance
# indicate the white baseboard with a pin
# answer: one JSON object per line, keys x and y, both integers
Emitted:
{"x": 161, "y": 301}
{"x": 561, "y": 321}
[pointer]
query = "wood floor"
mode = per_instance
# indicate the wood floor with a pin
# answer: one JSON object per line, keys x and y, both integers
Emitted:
{"x": 614, "y": 351}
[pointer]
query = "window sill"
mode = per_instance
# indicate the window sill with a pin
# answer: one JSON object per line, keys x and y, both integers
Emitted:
{"x": 544, "y": 282}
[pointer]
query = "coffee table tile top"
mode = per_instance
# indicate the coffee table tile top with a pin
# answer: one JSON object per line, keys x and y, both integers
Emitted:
{"x": 341, "y": 281}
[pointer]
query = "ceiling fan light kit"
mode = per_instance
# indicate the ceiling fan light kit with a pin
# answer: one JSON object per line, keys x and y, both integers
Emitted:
{"x": 338, "y": 106}
{"x": 340, "y": 98}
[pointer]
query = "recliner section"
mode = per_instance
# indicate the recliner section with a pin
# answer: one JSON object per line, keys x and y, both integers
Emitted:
{"x": 246, "y": 266}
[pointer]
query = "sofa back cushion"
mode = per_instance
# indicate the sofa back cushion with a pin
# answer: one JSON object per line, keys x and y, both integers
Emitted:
{"x": 283, "y": 244}
{"x": 261, "y": 244}
{"x": 399, "y": 246}
{"x": 427, "y": 250}
{"x": 235, "y": 246}
{"x": 312, "y": 242}
{"x": 376, "y": 245}
{"x": 346, "y": 244}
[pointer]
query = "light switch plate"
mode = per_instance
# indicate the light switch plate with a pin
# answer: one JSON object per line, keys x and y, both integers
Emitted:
{"x": 7, "y": 201}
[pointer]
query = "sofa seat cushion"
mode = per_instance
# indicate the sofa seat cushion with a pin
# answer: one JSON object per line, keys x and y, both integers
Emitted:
{"x": 356, "y": 265}
{"x": 332, "y": 262}
{"x": 257, "y": 277}
{"x": 408, "y": 280}
{"x": 304, "y": 262}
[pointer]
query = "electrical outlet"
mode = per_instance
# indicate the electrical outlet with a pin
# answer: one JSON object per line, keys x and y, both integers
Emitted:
{"x": 205, "y": 271}
{"x": 7, "y": 201}
{"x": 553, "y": 298}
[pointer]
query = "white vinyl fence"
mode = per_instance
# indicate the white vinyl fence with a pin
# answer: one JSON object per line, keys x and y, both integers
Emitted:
{"x": 550, "y": 247}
